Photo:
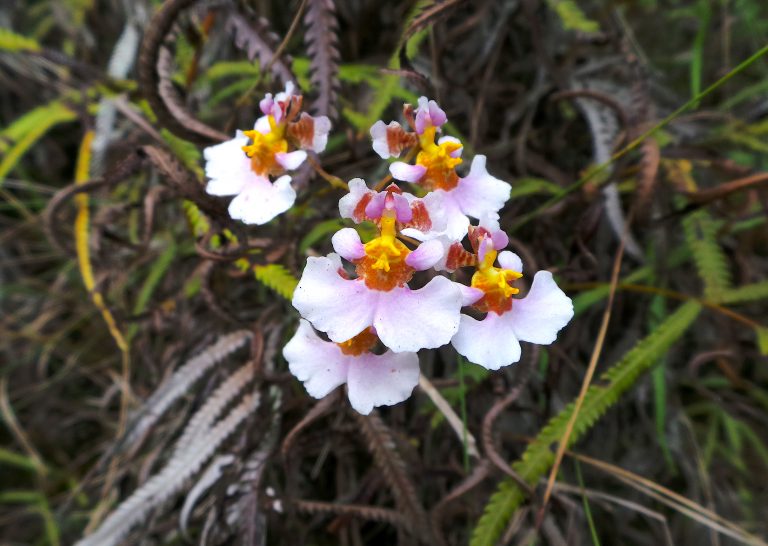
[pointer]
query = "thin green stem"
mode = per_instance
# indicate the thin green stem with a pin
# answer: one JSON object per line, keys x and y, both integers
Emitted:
{"x": 639, "y": 140}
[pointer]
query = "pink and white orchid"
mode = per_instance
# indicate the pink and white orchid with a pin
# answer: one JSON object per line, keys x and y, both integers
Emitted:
{"x": 372, "y": 380}
{"x": 405, "y": 320}
{"x": 243, "y": 166}
{"x": 494, "y": 341}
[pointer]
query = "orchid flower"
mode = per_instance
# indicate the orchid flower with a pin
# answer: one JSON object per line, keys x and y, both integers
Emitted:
{"x": 494, "y": 341}
{"x": 372, "y": 379}
{"x": 475, "y": 195}
{"x": 242, "y": 166}
{"x": 405, "y": 320}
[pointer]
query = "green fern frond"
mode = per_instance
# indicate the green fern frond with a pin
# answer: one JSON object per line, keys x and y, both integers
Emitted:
{"x": 711, "y": 263}
{"x": 746, "y": 293}
{"x": 539, "y": 456}
{"x": 276, "y": 277}
{"x": 10, "y": 41}
{"x": 572, "y": 17}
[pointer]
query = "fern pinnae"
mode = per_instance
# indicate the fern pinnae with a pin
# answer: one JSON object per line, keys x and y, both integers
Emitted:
{"x": 276, "y": 277}
{"x": 746, "y": 293}
{"x": 254, "y": 36}
{"x": 538, "y": 456}
{"x": 199, "y": 425}
{"x": 181, "y": 380}
{"x": 711, "y": 263}
{"x": 323, "y": 49}
{"x": 171, "y": 479}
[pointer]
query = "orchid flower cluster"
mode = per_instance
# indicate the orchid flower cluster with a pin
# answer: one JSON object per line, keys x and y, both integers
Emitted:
{"x": 243, "y": 166}
{"x": 363, "y": 317}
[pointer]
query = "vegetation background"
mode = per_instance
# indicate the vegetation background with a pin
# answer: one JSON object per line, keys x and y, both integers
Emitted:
{"x": 142, "y": 392}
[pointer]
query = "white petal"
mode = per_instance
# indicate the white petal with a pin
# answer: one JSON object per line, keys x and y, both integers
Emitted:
{"x": 379, "y": 137}
{"x": 320, "y": 365}
{"x": 408, "y": 320}
{"x": 381, "y": 380}
{"x": 338, "y": 306}
{"x": 480, "y": 193}
{"x": 262, "y": 201}
{"x": 426, "y": 255}
{"x": 262, "y": 125}
{"x": 490, "y": 342}
{"x": 510, "y": 260}
{"x": 346, "y": 242}
{"x": 291, "y": 160}
{"x": 538, "y": 317}
{"x": 348, "y": 203}
{"x": 322, "y": 128}
{"x": 456, "y": 222}
{"x": 227, "y": 166}
{"x": 407, "y": 173}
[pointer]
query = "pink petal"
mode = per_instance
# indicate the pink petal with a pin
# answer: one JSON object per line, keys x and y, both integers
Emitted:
{"x": 381, "y": 380}
{"x": 402, "y": 208}
{"x": 406, "y": 172}
{"x": 340, "y": 307}
{"x": 408, "y": 320}
{"x": 319, "y": 364}
{"x": 426, "y": 255}
{"x": 436, "y": 114}
{"x": 375, "y": 208}
{"x": 265, "y": 104}
{"x": 291, "y": 160}
{"x": 500, "y": 239}
{"x": 490, "y": 342}
{"x": 346, "y": 242}
{"x": 469, "y": 295}
{"x": 456, "y": 222}
{"x": 538, "y": 317}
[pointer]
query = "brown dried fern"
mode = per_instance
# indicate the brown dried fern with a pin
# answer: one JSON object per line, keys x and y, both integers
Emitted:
{"x": 322, "y": 47}
{"x": 253, "y": 35}
{"x": 388, "y": 459}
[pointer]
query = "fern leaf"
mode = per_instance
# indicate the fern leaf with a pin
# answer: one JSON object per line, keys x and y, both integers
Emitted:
{"x": 12, "y": 42}
{"x": 171, "y": 479}
{"x": 711, "y": 263}
{"x": 746, "y": 293}
{"x": 538, "y": 456}
{"x": 182, "y": 379}
{"x": 276, "y": 277}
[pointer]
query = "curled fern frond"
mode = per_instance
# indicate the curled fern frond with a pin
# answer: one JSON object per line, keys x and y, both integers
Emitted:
{"x": 538, "y": 456}
{"x": 323, "y": 49}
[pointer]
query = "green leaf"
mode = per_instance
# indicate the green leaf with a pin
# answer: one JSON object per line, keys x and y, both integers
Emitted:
{"x": 10, "y": 41}
{"x": 22, "y": 134}
{"x": 278, "y": 278}
{"x": 319, "y": 231}
{"x": 762, "y": 339}
{"x": 539, "y": 456}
